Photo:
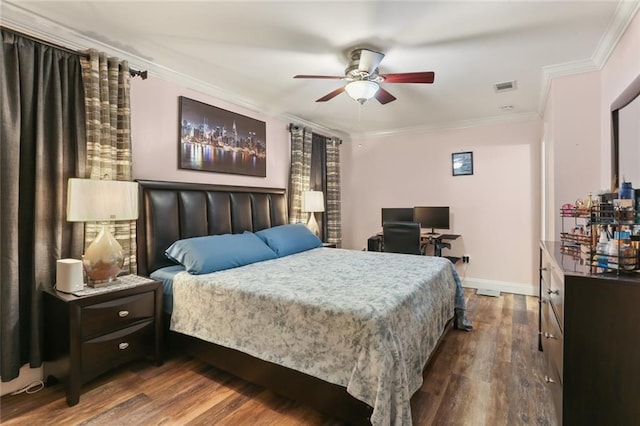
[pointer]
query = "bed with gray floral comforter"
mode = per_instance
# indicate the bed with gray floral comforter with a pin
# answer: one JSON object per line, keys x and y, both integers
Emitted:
{"x": 367, "y": 321}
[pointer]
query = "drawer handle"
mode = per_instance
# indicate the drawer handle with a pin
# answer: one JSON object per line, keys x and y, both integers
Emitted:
{"x": 557, "y": 292}
{"x": 550, "y": 336}
{"x": 123, "y": 314}
{"x": 548, "y": 379}
{"x": 123, "y": 345}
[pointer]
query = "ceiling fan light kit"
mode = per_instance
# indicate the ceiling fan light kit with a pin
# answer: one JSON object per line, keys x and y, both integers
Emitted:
{"x": 361, "y": 90}
{"x": 364, "y": 78}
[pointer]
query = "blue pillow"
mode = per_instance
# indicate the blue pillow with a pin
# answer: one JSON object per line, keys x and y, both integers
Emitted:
{"x": 202, "y": 255}
{"x": 289, "y": 239}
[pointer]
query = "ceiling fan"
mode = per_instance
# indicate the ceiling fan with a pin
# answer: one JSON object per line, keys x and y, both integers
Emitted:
{"x": 364, "y": 79}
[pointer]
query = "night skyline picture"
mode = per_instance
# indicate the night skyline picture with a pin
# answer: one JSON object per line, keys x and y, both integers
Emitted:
{"x": 216, "y": 140}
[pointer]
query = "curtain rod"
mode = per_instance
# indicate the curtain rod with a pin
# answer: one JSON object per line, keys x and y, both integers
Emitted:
{"x": 132, "y": 72}
{"x": 291, "y": 125}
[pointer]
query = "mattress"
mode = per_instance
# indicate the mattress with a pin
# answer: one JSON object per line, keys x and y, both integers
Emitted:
{"x": 367, "y": 321}
{"x": 165, "y": 276}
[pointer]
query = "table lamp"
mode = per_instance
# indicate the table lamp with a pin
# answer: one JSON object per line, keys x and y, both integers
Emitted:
{"x": 312, "y": 202}
{"x": 102, "y": 201}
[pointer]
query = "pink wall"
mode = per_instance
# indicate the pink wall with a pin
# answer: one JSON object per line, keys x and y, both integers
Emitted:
{"x": 577, "y": 123}
{"x": 572, "y": 140}
{"x": 495, "y": 209}
{"x": 622, "y": 67}
{"x": 154, "y": 134}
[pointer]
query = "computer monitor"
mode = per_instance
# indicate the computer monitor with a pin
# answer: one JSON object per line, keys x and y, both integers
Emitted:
{"x": 395, "y": 214}
{"x": 432, "y": 217}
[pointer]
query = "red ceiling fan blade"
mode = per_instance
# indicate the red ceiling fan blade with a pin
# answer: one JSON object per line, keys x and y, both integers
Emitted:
{"x": 384, "y": 97}
{"x": 331, "y": 95}
{"x": 329, "y": 77}
{"x": 410, "y": 77}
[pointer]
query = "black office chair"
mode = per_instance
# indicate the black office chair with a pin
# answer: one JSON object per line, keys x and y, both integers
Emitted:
{"x": 402, "y": 237}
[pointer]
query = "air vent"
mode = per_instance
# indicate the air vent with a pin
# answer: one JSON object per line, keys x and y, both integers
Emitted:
{"x": 505, "y": 86}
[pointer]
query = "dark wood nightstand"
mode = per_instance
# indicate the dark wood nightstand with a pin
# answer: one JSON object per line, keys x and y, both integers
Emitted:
{"x": 88, "y": 335}
{"x": 329, "y": 245}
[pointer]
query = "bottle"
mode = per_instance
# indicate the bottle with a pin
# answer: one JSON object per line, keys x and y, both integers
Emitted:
{"x": 626, "y": 191}
{"x": 588, "y": 202}
{"x": 602, "y": 249}
{"x": 627, "y": 256}
{"x": 612, "y": 251}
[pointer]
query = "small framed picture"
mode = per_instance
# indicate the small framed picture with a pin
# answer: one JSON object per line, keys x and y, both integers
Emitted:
{"x": 462, "y": 163}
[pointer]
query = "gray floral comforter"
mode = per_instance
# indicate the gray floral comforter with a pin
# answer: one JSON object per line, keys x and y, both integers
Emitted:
{"x": 363, "y": 320}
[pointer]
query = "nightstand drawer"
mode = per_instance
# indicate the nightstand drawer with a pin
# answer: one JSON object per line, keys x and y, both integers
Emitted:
{"x": 114, "y": 314}
{"x": 105, "y": 352}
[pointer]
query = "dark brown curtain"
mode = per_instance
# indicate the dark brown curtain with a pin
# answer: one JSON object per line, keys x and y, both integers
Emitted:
{"x": 325, "y": 177}
{"x": 318, "y": 177}
{"x": 43, "y": 140}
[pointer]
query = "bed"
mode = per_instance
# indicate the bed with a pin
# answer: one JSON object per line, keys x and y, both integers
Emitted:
{"x": 312, "y": 325}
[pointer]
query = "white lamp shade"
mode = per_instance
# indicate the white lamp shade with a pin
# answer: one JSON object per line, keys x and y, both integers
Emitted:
{"x": 92, "y": 200}
{"x": 362, "y": 90}
{"x": 312, "y": 201}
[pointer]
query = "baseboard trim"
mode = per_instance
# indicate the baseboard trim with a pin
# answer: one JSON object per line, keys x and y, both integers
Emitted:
{"x": 501, "y": 286}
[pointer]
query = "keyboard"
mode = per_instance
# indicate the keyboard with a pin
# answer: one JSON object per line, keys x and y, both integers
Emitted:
{"x": 448, "y": 236}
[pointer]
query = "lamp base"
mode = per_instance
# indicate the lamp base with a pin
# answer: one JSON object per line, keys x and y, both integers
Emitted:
{"x": 103, "y": 259}
{"x": 313, "y": 225}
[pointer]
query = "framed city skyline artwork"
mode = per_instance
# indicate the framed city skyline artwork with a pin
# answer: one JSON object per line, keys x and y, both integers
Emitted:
{"x": 216, "y": 140}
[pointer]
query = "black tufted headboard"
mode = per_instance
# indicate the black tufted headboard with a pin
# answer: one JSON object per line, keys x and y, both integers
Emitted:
{"x": 170, "y": 211}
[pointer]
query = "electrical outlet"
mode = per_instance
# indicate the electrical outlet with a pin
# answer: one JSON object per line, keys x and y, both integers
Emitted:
{"x": 465, "y": 258}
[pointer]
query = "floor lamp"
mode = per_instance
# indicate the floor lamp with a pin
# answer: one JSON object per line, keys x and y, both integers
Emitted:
{"x": 312, "y": 202}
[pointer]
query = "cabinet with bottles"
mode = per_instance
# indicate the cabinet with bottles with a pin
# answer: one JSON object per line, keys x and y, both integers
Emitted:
{"x": 605, "y": 235}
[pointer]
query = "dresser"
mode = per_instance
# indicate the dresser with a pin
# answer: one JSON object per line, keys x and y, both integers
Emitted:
{"x": 589, "y": 331}
{"x": 89, "y": 335}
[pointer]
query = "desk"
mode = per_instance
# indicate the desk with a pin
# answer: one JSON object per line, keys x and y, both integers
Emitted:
{"x": 375, "y": 242}
{"x": 424, "y": 233}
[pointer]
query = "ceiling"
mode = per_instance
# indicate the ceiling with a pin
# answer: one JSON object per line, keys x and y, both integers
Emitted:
{"x": 248, "y": 52}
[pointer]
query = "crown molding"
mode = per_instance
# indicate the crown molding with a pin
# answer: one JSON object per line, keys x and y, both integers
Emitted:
{"x": 18, "y": 19}
{"x": 624, "y": 14}
{"x": 452, "y": 125}
{"x": 562, "y": 70}
{"x": 14, "y": 17}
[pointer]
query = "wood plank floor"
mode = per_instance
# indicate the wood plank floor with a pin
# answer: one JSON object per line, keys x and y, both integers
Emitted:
{"x": 491, "y": 376}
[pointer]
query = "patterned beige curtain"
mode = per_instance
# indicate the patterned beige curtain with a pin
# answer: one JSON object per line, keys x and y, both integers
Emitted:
{"x": 106, "y": 85}
{"x": 334, "y": 221}
{"x": 300, "y": 171}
